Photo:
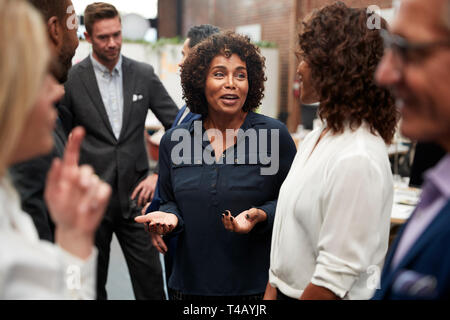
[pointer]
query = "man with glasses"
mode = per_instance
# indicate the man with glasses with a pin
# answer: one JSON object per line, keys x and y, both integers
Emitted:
{"x": 416, "y": 66}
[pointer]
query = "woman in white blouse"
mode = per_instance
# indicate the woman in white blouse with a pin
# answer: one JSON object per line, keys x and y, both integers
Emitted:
{"x": 331, "y": 226}
{"x": 30, "y": 268}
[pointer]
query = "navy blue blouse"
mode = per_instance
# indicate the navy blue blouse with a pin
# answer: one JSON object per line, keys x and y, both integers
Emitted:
{"x": 209, "y": 260}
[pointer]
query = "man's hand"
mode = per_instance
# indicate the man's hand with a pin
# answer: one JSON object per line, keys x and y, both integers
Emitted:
{"x": 245, "y": 221}
{"x": 145, "y": 190}
{"x": 76, "y": 198}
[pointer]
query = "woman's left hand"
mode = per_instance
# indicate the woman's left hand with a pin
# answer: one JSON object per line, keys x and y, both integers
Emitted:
{"x": 245, "y": 221}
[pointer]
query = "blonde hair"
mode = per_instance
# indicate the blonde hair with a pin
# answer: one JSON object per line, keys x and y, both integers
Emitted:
{"x": 24, "y": 59}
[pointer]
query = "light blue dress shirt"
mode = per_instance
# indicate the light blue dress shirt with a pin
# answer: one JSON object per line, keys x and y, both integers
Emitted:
{"x": 110, "y": 85}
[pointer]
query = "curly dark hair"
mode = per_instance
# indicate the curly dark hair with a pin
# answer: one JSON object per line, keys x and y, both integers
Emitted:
{"x": 343, "y": 54}
{"x": 196, "y": 66}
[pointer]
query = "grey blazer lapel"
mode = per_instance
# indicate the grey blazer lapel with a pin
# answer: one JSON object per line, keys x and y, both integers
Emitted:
{"x": 129, "y": 80}
{"x": 90, "y": 83}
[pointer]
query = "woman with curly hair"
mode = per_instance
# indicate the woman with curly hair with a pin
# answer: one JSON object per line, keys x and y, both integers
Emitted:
{"x": 332, "y": 220}
{"x": 219, "y": 190}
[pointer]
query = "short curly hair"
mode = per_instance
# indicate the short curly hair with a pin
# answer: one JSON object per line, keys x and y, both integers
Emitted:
{"x": 343, "y": 54}
{"x": 196, "y": 66}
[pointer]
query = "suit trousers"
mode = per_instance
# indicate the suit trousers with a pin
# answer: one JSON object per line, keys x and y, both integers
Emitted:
{"x": 141, "y": 257}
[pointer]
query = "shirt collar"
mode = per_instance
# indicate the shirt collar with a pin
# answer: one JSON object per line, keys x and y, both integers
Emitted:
{"x": 251, "y": 120}
{"x": 99, "y": 67}
{"x": 440, "y": 176}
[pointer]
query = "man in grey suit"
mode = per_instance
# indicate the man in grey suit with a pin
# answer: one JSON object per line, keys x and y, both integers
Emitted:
{"x": 109, "y": 95}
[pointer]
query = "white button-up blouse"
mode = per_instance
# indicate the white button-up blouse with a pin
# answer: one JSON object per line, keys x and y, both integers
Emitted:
{"x": 31, "y": 268}
{"x": 332, "y": 219}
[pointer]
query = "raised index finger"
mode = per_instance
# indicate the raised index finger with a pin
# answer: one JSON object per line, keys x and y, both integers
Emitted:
{"x": 72, "y": 152}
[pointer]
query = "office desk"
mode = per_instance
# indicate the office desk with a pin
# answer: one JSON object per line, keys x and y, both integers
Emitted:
{"x": 405, "y": 200}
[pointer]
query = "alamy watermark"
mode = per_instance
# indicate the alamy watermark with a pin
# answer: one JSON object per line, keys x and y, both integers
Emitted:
{"x": 255, "y": 151}
{"x": 374, "y": 20}
{"x": 72, "y": 21}
{"x": 73, "y": 277}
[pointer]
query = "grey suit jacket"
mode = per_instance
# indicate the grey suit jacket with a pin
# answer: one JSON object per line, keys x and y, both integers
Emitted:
{"x": 123, "y": 162}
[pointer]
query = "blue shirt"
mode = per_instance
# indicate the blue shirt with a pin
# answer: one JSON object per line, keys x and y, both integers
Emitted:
{"x": 210, "y": 260}
{"x": 110, "y": 85}
{"x": 183, "y": 116}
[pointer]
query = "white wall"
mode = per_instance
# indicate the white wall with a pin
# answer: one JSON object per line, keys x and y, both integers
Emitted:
{"x": 165, "y": 62}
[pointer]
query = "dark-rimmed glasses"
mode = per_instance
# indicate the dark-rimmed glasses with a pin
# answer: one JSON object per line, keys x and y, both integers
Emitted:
{"x": 409, "y": 51}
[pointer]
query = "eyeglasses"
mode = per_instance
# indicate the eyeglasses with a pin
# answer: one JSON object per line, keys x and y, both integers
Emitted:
{"x": 408, "y": 51}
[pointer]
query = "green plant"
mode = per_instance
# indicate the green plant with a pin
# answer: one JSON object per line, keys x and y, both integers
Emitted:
{"x": 266, "y": 44}
{"x": 161, "y": 42}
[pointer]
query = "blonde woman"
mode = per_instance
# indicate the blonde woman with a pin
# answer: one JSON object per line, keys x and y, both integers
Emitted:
{"x": 30, "y": 268}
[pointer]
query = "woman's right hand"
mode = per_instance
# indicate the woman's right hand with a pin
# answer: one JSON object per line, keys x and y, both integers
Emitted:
{"x": 157, "y": 240}
{"x": 159, "y": 222}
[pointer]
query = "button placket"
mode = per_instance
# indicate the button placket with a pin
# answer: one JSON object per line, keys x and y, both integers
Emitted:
{"x": 214, "y": 182}
{"x": 214, "y": 177}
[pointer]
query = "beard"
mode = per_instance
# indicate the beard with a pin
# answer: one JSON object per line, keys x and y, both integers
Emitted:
{"x": 65, "y": 56}
{"x": 65, "y": 67}
{"x": 60, "y": 68}
{"x": 106, "y": 58}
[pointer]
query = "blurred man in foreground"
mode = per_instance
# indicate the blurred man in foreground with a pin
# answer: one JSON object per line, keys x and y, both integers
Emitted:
{"x": 416, "y": 67}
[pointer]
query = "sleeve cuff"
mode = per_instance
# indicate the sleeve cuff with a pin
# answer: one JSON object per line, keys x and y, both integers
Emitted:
{"x": 266, "y": 225}
{"x": 80, "y": 275}
{"x": 332, "y": 273}
{"x": 172, "y": 208}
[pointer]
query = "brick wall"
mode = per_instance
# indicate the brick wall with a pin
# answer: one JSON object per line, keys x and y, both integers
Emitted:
{"x": 167, "y": 18}
{"x": 275, "y": 17}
